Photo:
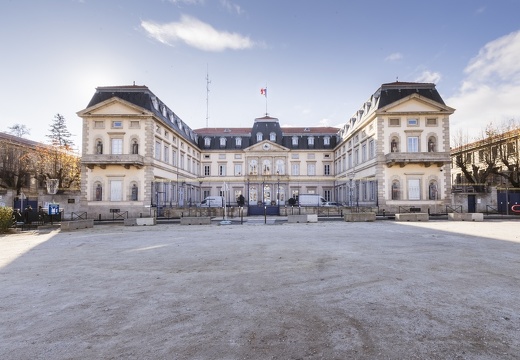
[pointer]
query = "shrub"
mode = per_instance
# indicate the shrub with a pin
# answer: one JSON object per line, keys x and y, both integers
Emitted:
{"x": 6, "y": 218}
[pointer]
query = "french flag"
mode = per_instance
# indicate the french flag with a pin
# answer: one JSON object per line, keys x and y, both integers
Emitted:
{"x": 263, "y": 91}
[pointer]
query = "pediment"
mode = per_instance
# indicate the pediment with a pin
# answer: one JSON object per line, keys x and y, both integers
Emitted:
{"x": 265, "y": 147}
{"x": 416, "y": 104}
{"x": 114, "y": 106}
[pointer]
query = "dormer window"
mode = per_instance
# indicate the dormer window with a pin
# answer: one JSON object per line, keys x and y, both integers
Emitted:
{"x": 259, "y": 136}
{"x": 307, "y": 129}
{"x": 310, "y": 140}
{"x": 295, "y": 140}
{"x": 222, "y": 142}
{"x": 272, "y": 136}
{"x": 238, "y": 141}
{"x": 326, "y": 140}
{"x": 207, "y": 141}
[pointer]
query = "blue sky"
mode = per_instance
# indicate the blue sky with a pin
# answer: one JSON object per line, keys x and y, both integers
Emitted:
{"x": 320, "y": 60}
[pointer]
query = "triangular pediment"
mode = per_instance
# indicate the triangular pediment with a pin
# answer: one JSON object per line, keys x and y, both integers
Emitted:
{"x": 416, "y": 104}
{"x": 114, "y": 106}
{"x": 266, "y": 146}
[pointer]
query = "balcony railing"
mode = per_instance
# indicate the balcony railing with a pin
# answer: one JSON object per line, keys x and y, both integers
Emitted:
{"x": 425, "y": 158}
{"x": 102, "y": 160}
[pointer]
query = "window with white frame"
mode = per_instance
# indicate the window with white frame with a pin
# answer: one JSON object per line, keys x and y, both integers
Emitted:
{"x": 182, "y": 162}
{"x": 295, "y": 169}
{"x": 158, "y": 150}
{"x": 117, "y": 124}
{"x": 272, "y": 136}
{"x": 207, "y": 141}
{"x": 238, "y": 169}
{"x": 116, "y": 190}
{"x": 414, "y": 189}
{"x": 259, "y": 136}
{"x": 207, "y": 170}
{"x": 371, "y": 149}
{"x": 413, "y": 144}
{"x": 222, "y": 142}
{"x": 295, "y": 140}
{"x": 222, "y": 170}
{"x": 326, "y": 169}
{"x": 166, "y": 153}
{"x": 413, "y": 122}
{"x": 280, "y": 167}
{"x": 238, "y": 141}
{"x": 311, "y": 169}
{"x": 326, "y": 140}
{"x": 117, "y": 146}
{"x": 310, "y": 140}
{"x": 364, "y": 152}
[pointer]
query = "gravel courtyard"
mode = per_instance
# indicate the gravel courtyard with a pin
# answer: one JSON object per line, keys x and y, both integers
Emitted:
{"x": 329, "y": 290}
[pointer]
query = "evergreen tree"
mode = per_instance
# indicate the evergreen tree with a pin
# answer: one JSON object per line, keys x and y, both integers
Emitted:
{"x": 59, "y": 134}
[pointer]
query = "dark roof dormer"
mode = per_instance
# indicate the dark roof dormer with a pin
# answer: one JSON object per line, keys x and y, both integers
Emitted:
{"x": 266, "y": 128}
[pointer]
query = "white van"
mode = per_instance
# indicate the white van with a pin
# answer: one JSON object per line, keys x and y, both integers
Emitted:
{"x": 212, "y": 201}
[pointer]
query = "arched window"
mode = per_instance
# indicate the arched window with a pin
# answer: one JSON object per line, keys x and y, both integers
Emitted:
{"x": 259, "y": 136}
{"x": 253, "y": 167}
{"x": 295, "y": 140}
{"x": 433, "y": 191}
{"x": 98, "y": 193}
{"x": 432, "y": 144}
{"x": 396, "y": 190}
{"x": 310, "y": 140}
{"x": 238, "y": 141}
{"x": 207, "y": 141}
{"x": 222, "y": 142}
{"x": 272, "y": 136}
{"x": 280, "y": 167}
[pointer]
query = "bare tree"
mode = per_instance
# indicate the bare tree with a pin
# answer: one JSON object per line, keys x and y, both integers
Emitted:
{"x": 19, "y": 130}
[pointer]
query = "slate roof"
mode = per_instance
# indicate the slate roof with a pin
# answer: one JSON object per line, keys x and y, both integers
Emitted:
{"x": 392, "y": 92}
{"x": 141, "y": 96}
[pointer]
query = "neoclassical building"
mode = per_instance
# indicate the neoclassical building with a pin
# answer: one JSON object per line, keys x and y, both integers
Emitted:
{"x": 138, "y": 154}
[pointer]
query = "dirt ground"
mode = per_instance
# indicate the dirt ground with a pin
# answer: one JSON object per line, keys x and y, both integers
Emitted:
{"x": 331, "y": 290}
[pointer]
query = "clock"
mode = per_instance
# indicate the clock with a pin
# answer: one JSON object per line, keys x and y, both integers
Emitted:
{"x": 266, "y": 146}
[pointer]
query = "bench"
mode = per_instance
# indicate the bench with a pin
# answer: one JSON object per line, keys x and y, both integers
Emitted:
{"x": 196, "y": 220}
{"x": 76, "y": 224}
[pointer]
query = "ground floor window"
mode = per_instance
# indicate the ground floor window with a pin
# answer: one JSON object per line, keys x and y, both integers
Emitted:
{"x": 116, "y": 190}
{"x": 414, "y": 189}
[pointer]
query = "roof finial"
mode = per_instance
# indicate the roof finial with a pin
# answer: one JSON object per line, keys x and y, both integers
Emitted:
{"x": 397, "y": 79}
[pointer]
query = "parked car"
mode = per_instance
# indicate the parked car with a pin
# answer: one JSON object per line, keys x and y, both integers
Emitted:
{"x": 332, "y": 203}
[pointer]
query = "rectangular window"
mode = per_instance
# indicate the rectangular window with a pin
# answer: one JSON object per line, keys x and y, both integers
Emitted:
{"x": 158, "y": 150}
{"x": 238, "y": 169}
{"x": 207, "y": 170}
{"x": 99, "y": 124}
{"x": 414, "y": 189}
{"x": 326, "y": 169}
{"x": 395, "y": 122}
{"x": 326, "y": 140}
{"x": 356, "y": 156}
{"x": 182, "y": 162}
{"x": 174, "y": 158}
{"x": 134, "y": 124}
{"x": 310, "y": 140}
{"x": 222, "y": 170}
{"x": 371, "y": 149}
{"x": 350, "y": 159}
{"x": 116, "y": 190}
{"x": 364, "y": 152}
{"x": 295, "y": 167}
{"x": 295, "y": 141}
{"x": 117, "y": 146}
{"x": 311, "y": 169}
{"x": 413, "y": 144}
{"x": 117, "y": 124}
{"x": 166, "y": 154}
{"x": 327, "y": 195}
{"x": 431, "y": 122}
{"x": 413, "y": 122}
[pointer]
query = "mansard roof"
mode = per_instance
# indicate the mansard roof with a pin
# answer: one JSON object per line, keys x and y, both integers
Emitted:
{"x": 141, "y": 96}
{"x": 392, "y": 92}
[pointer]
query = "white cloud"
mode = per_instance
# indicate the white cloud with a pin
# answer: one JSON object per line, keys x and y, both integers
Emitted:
{"x": 197, "y": 34}
{"x": 491, "y": 89}
{"x": 429, "y": 77}
{"x": 325, "y": 122}
{"x": 231, "y": 7}
{"x": 394, "y": 57}
{"x": 189, "y": 2}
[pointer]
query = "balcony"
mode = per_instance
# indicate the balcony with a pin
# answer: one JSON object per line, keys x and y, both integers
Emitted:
{"x": 426, "y": 159}
{"x": 103, "y": 160}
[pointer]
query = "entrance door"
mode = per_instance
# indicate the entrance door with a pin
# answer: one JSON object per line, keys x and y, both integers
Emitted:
{"x": 472, "y": 207}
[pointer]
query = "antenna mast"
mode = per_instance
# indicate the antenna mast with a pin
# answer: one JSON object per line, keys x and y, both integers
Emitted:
{"x": 208, "y": 81}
